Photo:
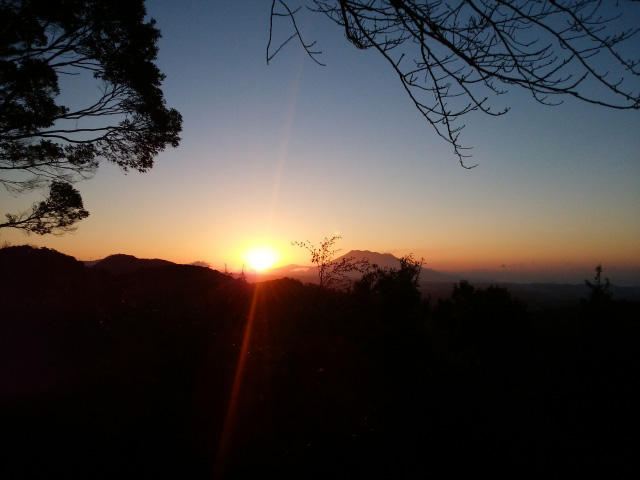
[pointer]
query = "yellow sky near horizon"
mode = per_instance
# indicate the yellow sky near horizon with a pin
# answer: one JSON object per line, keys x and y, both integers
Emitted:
{"x": 294, "y": 151}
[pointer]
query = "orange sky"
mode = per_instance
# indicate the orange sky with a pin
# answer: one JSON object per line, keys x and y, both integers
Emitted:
{"x": 295, "y": 151}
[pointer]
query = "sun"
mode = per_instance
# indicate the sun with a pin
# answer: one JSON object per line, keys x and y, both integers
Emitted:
{"x": 261, "y": 257}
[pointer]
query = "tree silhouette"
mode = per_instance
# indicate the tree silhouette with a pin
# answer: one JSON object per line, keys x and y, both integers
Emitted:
{"x": 331, "y": 273}
{"x": 45, "y": 143}
{"x": 56, "y": 214}
{"x": 599, "y": 290}
{"x": 482, "y": 328}
{"x": 393, "y": 291}
{"x": 599, "y": 299}
{"x": 451, "y": 57}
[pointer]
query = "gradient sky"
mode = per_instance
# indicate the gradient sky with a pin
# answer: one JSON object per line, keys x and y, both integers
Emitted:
{"x": 296, "y": 151}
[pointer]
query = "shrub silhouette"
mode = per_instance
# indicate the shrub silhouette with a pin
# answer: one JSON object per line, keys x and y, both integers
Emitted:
{"x": 598, "y": 305}
{"x": 391, "y": 293}
{"x": 482, "y": 331}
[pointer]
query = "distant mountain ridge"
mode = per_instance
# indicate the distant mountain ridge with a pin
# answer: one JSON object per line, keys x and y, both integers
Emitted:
{"x": 383, "y": 260}
{"x": 387, "y": 260}
{"x": 120, "y": 264}
{"x": 46, "y": 270}
{"x": 308, "y": 273}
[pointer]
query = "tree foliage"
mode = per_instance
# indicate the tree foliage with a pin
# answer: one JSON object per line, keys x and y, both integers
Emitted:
{"x": 392, "y": 290}
{"x": 478, "y": 329}
{"x": 451, "y": 57}
{"x": 56, "y": 214}
{"x": 43, "y": 142}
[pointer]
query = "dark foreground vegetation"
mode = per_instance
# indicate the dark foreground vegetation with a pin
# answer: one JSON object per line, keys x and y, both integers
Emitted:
{"x": 182, "y": 371}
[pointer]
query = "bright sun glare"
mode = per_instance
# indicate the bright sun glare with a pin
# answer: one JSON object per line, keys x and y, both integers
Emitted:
{"x": 261, "y": 258}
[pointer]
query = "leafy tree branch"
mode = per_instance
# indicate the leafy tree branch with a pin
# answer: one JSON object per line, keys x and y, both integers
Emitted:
{"x": 43, "y": 142}
{"x": 57, "y": 214}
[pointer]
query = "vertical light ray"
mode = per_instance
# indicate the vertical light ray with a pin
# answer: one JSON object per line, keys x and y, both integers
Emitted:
{"x": 286, "y": 138}
{"x": 227, "y": 429}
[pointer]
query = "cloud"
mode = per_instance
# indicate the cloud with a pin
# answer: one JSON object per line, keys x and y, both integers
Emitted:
{"x": 199, "y": 263}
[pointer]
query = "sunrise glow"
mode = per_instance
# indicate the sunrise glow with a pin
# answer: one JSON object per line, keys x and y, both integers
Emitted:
{"x": 266, "y": 160}
{"x": 261, "y": 257}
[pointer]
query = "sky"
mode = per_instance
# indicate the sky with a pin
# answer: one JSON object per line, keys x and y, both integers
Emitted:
{"x": 296, "y": 151}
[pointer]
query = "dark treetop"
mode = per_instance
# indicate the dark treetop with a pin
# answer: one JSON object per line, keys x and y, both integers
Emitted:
{"x": 45, "y": 143}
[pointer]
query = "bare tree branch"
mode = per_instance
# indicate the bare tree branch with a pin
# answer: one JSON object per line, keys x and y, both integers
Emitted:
{"x": 332, "y": 273}
{"x": 452, "y": 57}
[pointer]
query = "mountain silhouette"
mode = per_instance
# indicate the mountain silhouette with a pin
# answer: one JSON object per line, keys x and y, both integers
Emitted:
{"x": 383, "y": 260}
{"x": 387, "y": 260}
{"x": 120, "y": 264}
{"x": 309, "y": 273}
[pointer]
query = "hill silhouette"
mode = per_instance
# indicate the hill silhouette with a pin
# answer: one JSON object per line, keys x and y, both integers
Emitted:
{"x": 24, "y": 263}
{"x": 119, "y": 263}
{"x": 183, "y": 371}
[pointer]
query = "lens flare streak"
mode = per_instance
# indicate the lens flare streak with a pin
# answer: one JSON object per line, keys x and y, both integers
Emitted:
{"x": 223, "y": 447}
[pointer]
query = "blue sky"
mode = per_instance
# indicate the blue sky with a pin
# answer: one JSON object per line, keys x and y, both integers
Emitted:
{"x": 296, "y": 151}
